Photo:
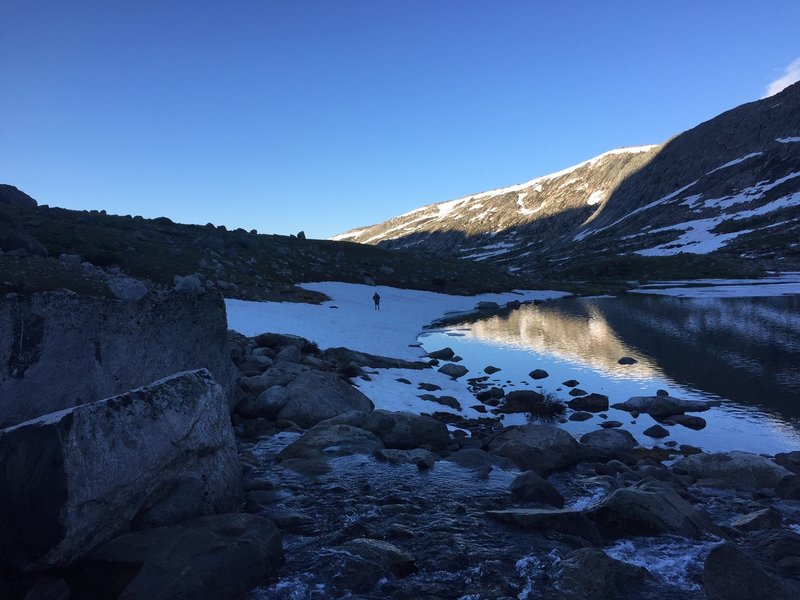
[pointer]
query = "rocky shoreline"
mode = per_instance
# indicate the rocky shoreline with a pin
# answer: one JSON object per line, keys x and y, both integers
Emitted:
{"x": 295, "y": 486}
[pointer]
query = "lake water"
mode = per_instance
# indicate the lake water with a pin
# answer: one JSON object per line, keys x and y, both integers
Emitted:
{"x": 744, "y": 352}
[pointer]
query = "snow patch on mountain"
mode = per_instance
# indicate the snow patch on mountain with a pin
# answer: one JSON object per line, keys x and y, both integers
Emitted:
{"x": 595, "y": 197}
{"x": 735, "y": 162}
{"x": 788, "y": 140}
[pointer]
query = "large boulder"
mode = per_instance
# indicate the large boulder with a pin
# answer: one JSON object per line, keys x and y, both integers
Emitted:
{"x": 590, "y": 402}
{"x": 648, "y": 508}
{"x": 405, "y": 430}
{"x": 72, "y": 480}
{"x": 454, "y": 371}
{"x": 590, "y": 574}
{"x": 540, "y": 448}
{"x": 59, "y": 350}
{"x": 533, "y": 488}
{"x": 218, "y": 556}
{"x": 735, "y": 470}
{"x": 315, "y": 396}
{"x": 345, "y": 356}
{"x": 480, "y": 461}
{"x": 730, "y": 574}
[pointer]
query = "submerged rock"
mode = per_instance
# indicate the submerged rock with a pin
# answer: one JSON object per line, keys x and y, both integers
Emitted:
{"x": 479, "y": 461}
{"x": 590, "y": 574}
{"x": 533, "y": 488}
{"x": 569, "y": 522}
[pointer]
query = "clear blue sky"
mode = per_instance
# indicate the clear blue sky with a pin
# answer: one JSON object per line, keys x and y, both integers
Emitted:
{"x": 326, "y": 115}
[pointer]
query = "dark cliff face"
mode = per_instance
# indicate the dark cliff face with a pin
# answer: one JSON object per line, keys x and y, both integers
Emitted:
{"x": 59, "y": 350}
{"x": 730, "y": 186}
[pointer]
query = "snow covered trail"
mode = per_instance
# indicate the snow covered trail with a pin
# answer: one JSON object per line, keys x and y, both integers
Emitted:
{"x": 350, "y": 320}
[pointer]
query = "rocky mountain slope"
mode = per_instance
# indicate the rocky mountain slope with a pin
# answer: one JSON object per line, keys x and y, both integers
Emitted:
{"x": 726, "y": 190}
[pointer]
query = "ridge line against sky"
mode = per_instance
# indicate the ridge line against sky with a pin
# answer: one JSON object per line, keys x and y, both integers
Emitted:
{"x": 321, "y": 116}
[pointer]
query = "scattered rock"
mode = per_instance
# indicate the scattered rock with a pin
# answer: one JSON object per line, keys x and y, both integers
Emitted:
{"x": 443, "y": 354}
{"x": 690, "y": 421}
{"x": 610, "y": 440}
{"x": 577, "y": 392}
{"x": 729, "y": 574}
{"x": 454, "y": 371}
{"x": 331, "y": 440}
{"x": 570, "y": 382}
{"x": 491, "y": 370}
{"x": 660, "y": 407}
{"x": 627, "y": 360}
{"x": 580, "y": 416}
{"x": 189, "y": 284}
{"x": 290, "y": 353}
{"x": 521, "y": 401}
{"x": 766, "y": 518}
{"x": 479, "y": 461}
{"x": 538, "y": 374}
{"x": 591, "y": 402}
{"x": 590, "y": 574}
{"x": 558, "y": 521}
{"x": 656, "y": 431}
{"x": 405, "y": 430}
{"x": 429, "y": 387}
{"x": 733, "y": 470}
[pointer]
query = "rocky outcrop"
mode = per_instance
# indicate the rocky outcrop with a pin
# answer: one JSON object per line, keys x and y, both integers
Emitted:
{"x": 736, "y": 470}
{"x": 73, "y": 479}
{"x": 315, "y": 396}
{"x": 540, "y": 448}
{"x": 59, "y": 350}
{"x": 218, "y": 556}
{"x": 661, "y": 407}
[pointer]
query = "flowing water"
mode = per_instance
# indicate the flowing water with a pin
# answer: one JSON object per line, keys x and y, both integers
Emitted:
{"x": 744, "y": 352}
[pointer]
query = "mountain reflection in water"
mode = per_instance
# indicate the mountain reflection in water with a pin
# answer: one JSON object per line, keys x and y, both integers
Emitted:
{"x": 742, "y": 349}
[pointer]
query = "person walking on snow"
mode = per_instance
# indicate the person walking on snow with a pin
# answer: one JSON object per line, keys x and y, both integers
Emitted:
{"x": 377, "y": 300}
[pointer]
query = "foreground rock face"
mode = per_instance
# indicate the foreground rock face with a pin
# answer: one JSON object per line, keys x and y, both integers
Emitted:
{"x": 73, "y": 479}
{"x": 59, "y": 350}
{"x": 218, "y": 556}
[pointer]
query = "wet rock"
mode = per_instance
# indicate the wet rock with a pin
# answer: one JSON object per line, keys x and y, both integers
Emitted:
{"x": 419, "y": 457}
{"x": 549, "y": 521}
{"x": 570, "y": 382}
{"x": 656, "y": 431}
{"x": 610, "y": 424}
{"x": 403, "y": 380}
{"x": 491, "y": 370}
{"x": 331, "y": 440}
{"x": 661, "y": 407}
{"x": 577, "y": 392}
{"x": 766, "y": 518}
{"x": 729, "y": 574}
{"x": 627, "y": 360}
{"x": 405, "y": 430}
{"x": 361, "y": 563}
{"x": 443, "y": 354}
{"x": 538, "y": 374}
{"x": 590, "y": 574}
{"x": 610, "y": 440}
{"x": 291, "y": 521}
{"x": 485, "y": 305}
{"x": 345, "y": 356}
{"x": 789, "y": 461}
{"x": 315, "y": 396}
{"x": 580, "y": 416}
{"x": 648, "y": 508}
{"x": 689, "y": 421}
{"x": 494, "y": 392}
{"x": 734, "y": 470}
{"x": 590, "y": 402}
{"x": 454, "y": 371}
{"x": 533, "y": 488}
{"x": 73, "y": 479}
{"x": 540, "y": 448}
{"x": 479, "y": 461}
{"x": 220, "y": 556}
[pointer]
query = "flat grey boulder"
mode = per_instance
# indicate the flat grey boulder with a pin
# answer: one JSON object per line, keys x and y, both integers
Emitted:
{"x": 329, "y": 441}
{"x": 648, "y": 508}
{"x": 315, "y": 396}
{"x": 591, "y": 402}
{"x": 219, "y": 556}
{"x": 72, "y": 480}
{"x": 405, "y": 430}
{"x": 735, "y": 470}
{"x": 545, "y": 520}
{"x": 590, "y": 574}
{"x": 610, "y": 440}
{"x": 540, "y": 448}
{"x": 660, "y": 407}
